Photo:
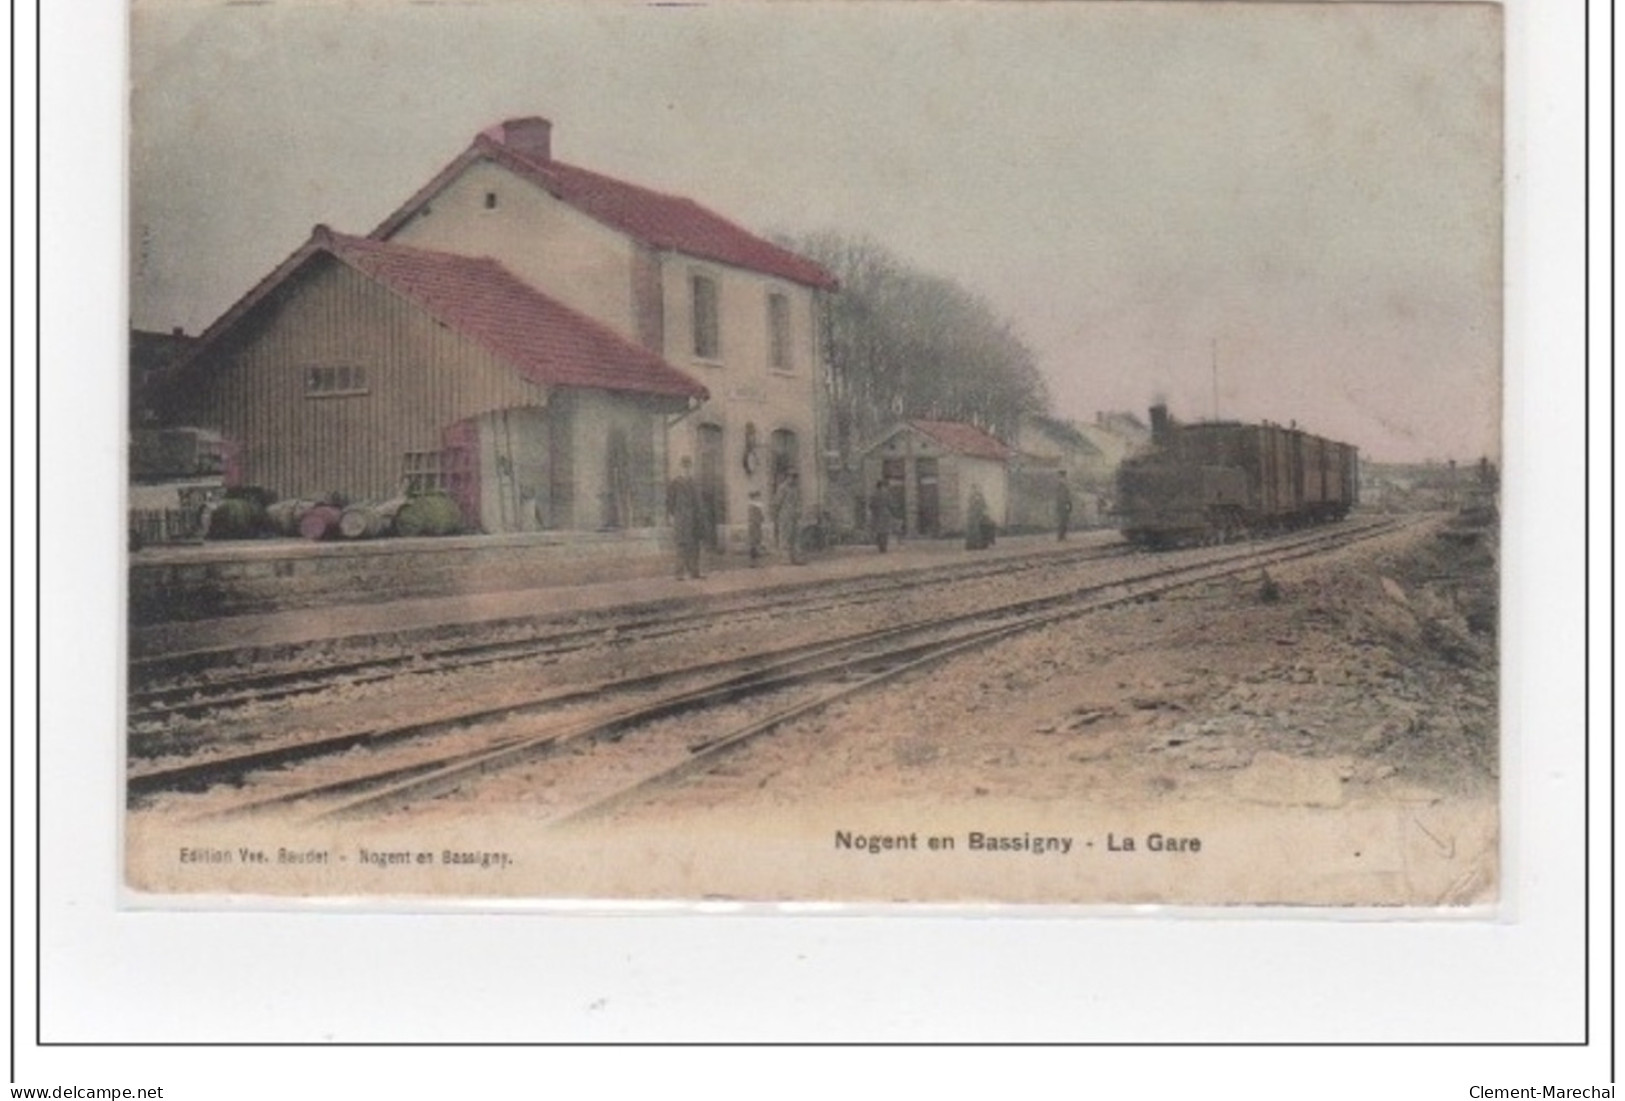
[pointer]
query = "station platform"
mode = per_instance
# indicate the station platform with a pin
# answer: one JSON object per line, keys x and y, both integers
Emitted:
{"x": 594, "y": 582}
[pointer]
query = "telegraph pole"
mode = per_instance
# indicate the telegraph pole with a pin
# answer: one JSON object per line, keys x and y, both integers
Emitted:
{"x": 1215, "y": 378}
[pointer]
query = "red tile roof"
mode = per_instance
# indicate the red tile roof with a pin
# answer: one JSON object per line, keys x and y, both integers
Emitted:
{"x": 964, "y": 439}
{"x": 544, "y": 340}
{"x": 655, "y": 219}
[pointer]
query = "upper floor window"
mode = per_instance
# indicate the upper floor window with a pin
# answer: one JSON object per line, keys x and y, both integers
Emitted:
{"x": 778, "y": 331}
{"x": 334, "y": 381}
{"x": 707, "y": 338}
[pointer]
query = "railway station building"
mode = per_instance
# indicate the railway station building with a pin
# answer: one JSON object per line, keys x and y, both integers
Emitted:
{"x": 734, "y": 312}
{"x": 544, "y": 341}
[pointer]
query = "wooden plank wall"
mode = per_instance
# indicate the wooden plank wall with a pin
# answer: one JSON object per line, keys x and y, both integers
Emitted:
{"x": 420, "y": 377}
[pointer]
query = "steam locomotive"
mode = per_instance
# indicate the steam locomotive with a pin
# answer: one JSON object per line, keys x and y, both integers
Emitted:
{"x": 1222, "y": 480}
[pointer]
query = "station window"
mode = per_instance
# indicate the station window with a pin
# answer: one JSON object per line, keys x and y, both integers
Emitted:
{"x": 335, "y": 381}
{"x": 707, "y": 338}
{"x": 778, "y": 331}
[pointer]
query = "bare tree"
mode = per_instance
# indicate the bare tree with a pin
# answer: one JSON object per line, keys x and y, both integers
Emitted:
{"x": 898, "y": 342}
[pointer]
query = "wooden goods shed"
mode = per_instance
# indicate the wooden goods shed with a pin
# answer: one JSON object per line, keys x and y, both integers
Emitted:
{"x": 365, "y": 369}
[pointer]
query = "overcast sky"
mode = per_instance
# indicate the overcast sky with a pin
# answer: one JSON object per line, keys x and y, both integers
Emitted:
{"x": 1313, "y": 191}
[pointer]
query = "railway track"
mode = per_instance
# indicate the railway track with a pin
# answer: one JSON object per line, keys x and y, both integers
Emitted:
{"x": 403, "y": 766}
{"x": 639, "y": 624}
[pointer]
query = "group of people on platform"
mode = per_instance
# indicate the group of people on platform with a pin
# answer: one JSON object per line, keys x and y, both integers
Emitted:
{"x": 981, "y": 531}
{"x": 693, "y": 525}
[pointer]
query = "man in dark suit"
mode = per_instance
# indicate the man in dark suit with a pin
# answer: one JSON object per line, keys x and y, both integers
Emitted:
{"x": 1063, "y": 505}
{"x": 684, "y": 507}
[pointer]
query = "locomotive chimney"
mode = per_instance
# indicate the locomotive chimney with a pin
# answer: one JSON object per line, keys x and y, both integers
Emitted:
{"x": 1159, "y": 423}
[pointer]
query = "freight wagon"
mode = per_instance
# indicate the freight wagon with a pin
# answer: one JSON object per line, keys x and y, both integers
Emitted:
{"x": 1222, "y": 480}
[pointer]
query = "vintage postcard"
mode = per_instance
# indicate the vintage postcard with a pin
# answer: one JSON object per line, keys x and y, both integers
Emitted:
{"x": 856, "y": 452}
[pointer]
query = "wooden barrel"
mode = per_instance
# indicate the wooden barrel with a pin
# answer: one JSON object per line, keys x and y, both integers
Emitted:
{"x": 369, "y": 520}
{"x": 429, "y": 514}
{"x": 233, "y": 518}
{"x": 284, "y": 515}
{"x": 319, "y": 522}
{"x": 358, "y": 522}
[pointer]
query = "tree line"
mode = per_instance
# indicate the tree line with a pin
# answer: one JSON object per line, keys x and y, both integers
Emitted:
{"x": 902, "y": 343}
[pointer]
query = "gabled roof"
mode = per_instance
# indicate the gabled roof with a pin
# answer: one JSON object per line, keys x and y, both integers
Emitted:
{"x": 1122, "y": 421}
{"x": 652, "y": 218}
{"x": 544, "y": 340}
{"x": 954, "y": 436}
{"x": 150, "y": 351}
{"x": 965, "y": 439}
{"x": 1062, "y": 432}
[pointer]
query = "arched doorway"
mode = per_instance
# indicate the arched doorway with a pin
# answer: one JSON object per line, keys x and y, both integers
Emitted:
{"x": 712, "y": 478}
{"x": 617, "y": 481}
{"x": 786, "y": 455}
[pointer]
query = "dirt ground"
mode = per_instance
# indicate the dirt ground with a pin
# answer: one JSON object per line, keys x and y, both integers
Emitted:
{"x": 1330, "y": 732}
{"x": 1325, "y": 735}
{"x": 1369, "y": 662}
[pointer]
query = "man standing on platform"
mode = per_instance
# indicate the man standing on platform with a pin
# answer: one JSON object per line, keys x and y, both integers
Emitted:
{"x": 787, "y": 515}
{"x": 755, "y": 523}
{"x": 977, "y": 522}
{"x": 1063, "y": 506}
{"x": 880, "y": 515}
{"x": 683, "y": 506}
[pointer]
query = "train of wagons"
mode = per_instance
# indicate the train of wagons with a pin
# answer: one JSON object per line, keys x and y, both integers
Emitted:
{"x": 1217, "y": 481}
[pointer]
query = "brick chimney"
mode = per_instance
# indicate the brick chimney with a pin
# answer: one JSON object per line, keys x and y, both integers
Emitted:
{"x": 529, "y": 137}
{"x": 1160, "y": 423}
